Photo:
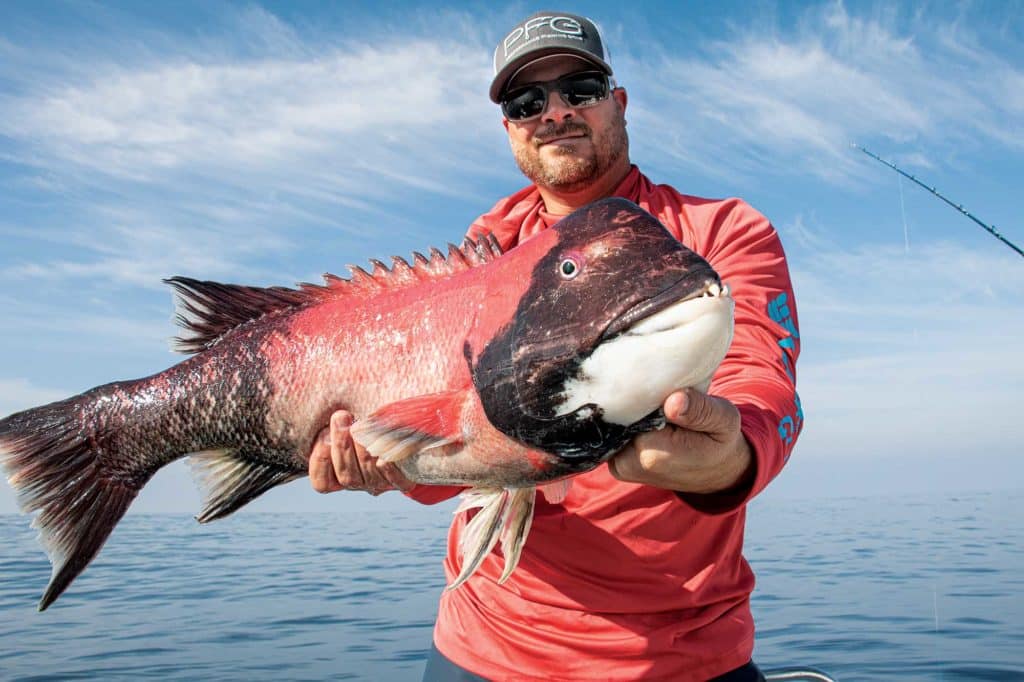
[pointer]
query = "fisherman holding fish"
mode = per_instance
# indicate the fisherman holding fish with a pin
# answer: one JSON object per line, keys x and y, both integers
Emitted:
{"x": 635, "y": 571}
{"x": 579, "y": 370}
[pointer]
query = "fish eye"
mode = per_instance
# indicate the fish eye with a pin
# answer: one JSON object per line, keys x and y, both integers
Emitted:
{"x": 568, "y": 268}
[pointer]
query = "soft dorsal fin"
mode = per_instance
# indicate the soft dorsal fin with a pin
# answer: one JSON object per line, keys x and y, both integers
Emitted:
{"x": 208, "y": 310}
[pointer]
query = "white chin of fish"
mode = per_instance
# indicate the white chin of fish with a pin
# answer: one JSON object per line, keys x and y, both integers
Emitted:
{"x": 630, "y": 376}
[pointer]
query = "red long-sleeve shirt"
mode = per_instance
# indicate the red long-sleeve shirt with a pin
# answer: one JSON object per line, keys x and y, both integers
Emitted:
{"x": 624, "y": 581}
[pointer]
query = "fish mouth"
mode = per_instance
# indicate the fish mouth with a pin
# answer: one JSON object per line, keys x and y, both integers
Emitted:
{"x": 679, "y": 292}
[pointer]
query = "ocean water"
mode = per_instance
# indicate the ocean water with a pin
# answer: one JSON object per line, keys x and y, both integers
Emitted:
{"x": 918, "y": 588}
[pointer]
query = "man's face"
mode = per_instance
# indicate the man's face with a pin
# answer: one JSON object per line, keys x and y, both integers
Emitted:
{"x": 567, "y": 149}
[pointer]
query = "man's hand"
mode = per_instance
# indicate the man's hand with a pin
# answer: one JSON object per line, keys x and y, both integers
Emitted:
{"x": 701, "y": 450}
{"x": 338, "y": 463}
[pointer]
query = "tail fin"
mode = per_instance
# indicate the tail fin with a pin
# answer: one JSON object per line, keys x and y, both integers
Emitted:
{"x": 55, "y": 466}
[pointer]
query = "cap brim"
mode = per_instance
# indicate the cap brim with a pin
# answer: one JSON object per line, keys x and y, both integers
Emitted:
{"x": 502, "y": 77}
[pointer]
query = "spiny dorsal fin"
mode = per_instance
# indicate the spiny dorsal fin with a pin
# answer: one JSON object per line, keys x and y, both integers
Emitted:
{"x": 208, "y": 310}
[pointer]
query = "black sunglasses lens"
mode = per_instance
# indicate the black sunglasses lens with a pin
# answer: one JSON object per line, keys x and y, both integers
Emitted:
{"x": 578, "y": 90}
{"x": 581, "y": 91}
{"x": 520, "y": 104}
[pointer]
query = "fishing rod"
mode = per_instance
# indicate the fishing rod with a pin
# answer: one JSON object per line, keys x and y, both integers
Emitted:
{"x": 988, "y": 228}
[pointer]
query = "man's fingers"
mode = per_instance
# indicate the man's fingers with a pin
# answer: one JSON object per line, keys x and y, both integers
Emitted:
{"x": 675, "y": 405}
{"x": 343, "y": 452}
{"x": 321, "y": 469}
{"x": 624, "y": 465}
{"x": 374, "y": 480}
{"x": 337, "y": 462}
{"x": 394, "y": 476}
{"x": 363, "y": 469}
{"x": 698, "y": 411}
{"x": 613, "y": 467}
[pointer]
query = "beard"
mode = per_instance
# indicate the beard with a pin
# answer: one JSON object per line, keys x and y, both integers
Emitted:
{"x": 568, "y": 169}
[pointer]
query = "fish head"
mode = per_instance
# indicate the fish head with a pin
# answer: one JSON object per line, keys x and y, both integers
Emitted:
{"x": 616, "y": 315}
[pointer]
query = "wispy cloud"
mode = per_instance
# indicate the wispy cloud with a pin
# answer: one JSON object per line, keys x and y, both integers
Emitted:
{"x": 909, "y": 353}
{"x": 20, "y": 394}
{"x": 134, "y": 247}
{"x": 789, "y": 101}
{"x": 135, "y": 121}
{"x": 138, "y": 112}
{"x": 191, "y": 156}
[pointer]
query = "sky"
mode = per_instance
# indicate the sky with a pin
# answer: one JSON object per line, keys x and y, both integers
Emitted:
{"x": 268, "y": 143}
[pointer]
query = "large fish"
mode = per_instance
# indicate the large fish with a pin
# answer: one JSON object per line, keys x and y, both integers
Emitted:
{"x": 497, "y": 372}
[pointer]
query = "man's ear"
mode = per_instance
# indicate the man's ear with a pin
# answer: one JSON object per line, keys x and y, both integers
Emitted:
{"x": 504, "y": 122}
{"x": 621, "y": 97}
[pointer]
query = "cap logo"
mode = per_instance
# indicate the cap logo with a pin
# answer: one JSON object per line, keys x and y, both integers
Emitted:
{"x": 541, "y": 27}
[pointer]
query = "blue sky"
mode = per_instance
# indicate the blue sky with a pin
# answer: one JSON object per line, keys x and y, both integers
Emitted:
{"x": 268, "y": 143}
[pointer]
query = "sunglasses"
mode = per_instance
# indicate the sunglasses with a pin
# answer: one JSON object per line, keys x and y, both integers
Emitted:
{"x": 578, "y": 90}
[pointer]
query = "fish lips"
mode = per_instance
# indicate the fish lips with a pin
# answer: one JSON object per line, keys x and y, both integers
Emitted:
{"x": 690, "y": 286}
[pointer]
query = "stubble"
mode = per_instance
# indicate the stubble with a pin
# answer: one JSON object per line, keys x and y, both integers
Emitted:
{"x": 568, "y": 169}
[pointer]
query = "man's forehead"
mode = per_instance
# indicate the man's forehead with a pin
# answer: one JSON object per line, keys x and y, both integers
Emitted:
{"x": 550, "y": 68}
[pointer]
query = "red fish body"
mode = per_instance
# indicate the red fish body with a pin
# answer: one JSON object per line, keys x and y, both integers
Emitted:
{"x": 498, "y": 372}
{"x": 360, "y": 353}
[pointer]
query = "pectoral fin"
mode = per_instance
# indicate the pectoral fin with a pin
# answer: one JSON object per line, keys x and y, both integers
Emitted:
{"x": 406, "y": 427}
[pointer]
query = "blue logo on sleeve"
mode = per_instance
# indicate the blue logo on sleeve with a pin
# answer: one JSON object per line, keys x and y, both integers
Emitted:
{"x": 778, "y": 311}
{"x": 789, "y": 426}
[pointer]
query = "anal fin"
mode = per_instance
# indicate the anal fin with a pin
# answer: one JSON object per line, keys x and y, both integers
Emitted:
{"x": 405, "y": 427}
{"x": 230, "y": 479}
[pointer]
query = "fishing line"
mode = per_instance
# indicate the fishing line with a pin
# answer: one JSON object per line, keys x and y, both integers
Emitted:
{"x": 903, "y": 212}
{"x": 988, "y": 228}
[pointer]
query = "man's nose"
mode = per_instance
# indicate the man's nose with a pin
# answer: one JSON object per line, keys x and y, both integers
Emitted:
{"x": 557, "y": 109}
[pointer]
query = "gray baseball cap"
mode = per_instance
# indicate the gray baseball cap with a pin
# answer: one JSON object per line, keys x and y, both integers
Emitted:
{"x": 542, "y": 35}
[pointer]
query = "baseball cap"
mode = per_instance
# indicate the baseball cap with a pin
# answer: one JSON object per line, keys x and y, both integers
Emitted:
{"x": 542, "y": 35}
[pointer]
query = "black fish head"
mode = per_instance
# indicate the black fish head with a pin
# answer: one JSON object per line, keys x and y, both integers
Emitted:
{"x": 617, "y": 314}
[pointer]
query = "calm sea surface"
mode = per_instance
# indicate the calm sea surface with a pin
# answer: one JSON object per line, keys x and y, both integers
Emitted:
{"x": 921, "y": 588}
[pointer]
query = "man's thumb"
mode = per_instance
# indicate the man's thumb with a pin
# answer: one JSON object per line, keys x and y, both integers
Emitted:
{"x": 694, "y": 410}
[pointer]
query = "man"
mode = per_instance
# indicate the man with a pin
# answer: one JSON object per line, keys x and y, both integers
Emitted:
{"x": 638, "y": 573}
